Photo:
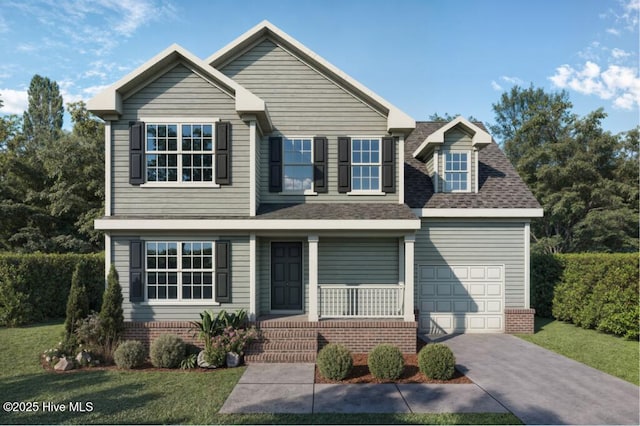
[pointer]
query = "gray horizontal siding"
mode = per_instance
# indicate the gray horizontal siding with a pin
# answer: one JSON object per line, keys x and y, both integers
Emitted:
{"x": 358, "y": 261}
{"x": 332, "y": 195}
{"x": 177, "y": 312}
{"x": 180, "y": 93}
{"x": 299, "y": 97}
{"x": 475, "y": 242}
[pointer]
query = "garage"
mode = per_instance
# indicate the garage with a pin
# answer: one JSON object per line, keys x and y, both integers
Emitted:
{"x": 461, "y": 298}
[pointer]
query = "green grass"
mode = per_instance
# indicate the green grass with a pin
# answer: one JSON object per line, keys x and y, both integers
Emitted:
{"x": 605, "y": 352}
{"x": 172, "y": 396}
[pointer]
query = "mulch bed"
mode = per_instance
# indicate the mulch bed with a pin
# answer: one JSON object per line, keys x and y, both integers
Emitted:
{"x": 411, "y": 374}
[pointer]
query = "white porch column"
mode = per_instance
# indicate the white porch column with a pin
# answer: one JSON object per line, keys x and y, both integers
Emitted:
{"x": 409, "y": 243}
{"x": 313, "y": 277}
{"x": 253, "y": 270}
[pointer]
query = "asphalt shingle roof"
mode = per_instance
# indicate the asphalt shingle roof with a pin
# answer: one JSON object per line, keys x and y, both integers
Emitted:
{"x": 499, "y": 185}
{"x": 336, "y": 211}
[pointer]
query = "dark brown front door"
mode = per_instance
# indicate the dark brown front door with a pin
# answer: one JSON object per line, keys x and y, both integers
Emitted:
{"x": 286, "y": 276}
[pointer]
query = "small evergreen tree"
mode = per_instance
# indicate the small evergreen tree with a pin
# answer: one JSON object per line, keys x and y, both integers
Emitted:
{"x": 78, "y": 302}
{"x": 111, "y": 312}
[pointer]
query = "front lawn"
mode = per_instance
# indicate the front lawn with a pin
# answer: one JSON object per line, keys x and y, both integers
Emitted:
{"x": 172, "y": 396}
{"x": 605, "y": 352}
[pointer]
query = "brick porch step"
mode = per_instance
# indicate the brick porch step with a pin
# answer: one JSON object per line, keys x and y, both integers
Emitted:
{"x": 282, "y": 344}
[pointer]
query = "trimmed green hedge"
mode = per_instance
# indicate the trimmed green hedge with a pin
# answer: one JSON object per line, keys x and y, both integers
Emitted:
{"x": 35, "y": 287}
{"x": 591, "y": 290}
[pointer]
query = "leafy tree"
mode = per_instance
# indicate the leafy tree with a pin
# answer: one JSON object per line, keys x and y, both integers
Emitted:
{"x": 583, "y": 176}
{"x": 78, "y": 302}
{"x": 111, "y": 313}
{"x": 447, "y": 117}
{"x": 43, "y": 118}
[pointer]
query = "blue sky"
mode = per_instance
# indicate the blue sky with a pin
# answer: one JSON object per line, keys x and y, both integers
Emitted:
{"x": 424, "y": 56}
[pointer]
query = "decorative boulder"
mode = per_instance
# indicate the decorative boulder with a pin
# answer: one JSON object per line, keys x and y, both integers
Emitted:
{"x": 202, "y": 363}
{"x": 83, "y": 358}
{"x": 233, "y": 359}
{"x": 64, "y": 365}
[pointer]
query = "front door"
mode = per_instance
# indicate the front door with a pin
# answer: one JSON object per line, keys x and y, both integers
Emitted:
{"x": 286, "y": 276}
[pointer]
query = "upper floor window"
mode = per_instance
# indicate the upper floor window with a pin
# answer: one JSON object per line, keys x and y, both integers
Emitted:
{"x": 365, "y": 164}
{"x": 179, "y": 152}
{"x": 297, "y": 164}
{"x": 179, "y": 270}
{"x": 456, "y": 172}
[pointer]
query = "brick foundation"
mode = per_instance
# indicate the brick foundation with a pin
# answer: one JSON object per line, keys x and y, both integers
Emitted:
{"x": 519, "y": 321}
{"x": 146, "y": 332}
{"x": 360, "y": 336}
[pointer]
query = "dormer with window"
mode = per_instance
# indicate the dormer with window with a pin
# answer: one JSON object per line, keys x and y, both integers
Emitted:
{"x": 451, "y": 156}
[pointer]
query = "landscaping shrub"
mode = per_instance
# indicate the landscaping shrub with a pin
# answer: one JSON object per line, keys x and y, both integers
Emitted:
{"x": 334, "y": 361}
{"x": 546, "y": 270}
{"x": 35, "y": 287}
{"x": 111, "y": 316}
{"x": 599, "y": 291}
{"x": 78, "y": 303}
{"x": 167, "y": 351}
{"x": 436, "y": 361}
{"x": 386, "y": 362}
{"x": 130, "y": 354}
{"x": 215, "y": 355}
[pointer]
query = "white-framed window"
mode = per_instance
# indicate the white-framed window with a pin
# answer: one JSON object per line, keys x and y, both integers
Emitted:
{"x": 365, "y": 164}
{"x": 179, "y": 271}
{"x": 297, "y": 164}
{"x": 456, "y": 171}
{"x": 179, "y": 153}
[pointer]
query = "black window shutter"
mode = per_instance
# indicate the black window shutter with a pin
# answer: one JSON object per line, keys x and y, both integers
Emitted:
{"x": 223, "y": 271}
{"x": 136, "y": 153}
{"x": 388, "y": 165}
{"x": 223, "y": 153}
{"x": 344, "y": 164}
{"x": 320, "y": 152}
{"x": 136, "y": 271}
{"x": 275, "y": 164}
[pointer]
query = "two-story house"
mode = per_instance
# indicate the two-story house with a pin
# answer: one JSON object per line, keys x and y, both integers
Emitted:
{"x": 264, "y": 178}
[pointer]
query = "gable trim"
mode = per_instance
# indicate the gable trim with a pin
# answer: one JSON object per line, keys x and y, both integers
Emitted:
{"x": 397, "y": 120}
{"x": 479, "y": 138}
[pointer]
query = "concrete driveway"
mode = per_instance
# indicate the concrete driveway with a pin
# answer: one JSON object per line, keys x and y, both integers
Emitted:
{"x": 540, "y": 386}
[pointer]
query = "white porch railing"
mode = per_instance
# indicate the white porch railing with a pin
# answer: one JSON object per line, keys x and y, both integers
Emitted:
{"x": 360, "y": 301}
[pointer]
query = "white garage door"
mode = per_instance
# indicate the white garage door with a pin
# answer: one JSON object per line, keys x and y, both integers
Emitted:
{"x": 461, "y": 298}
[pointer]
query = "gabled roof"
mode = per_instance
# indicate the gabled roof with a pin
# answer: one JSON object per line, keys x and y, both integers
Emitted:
{"x": 396, "y": 119}
{"x": 499, "y": 185}
{"x": 109, "y": 101}
{"x": 479, "y": 137}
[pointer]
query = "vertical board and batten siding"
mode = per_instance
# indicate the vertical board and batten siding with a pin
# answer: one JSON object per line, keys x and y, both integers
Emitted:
{"x": 358, "y": 261}
{"x": 455, "y": 140}
{"x": 180, "y": 93}
{"x": 481, "y": 242}
{"x": 263, "y": 285}
{"x": 181, "y": 312}
{"x": 303, "y": 102}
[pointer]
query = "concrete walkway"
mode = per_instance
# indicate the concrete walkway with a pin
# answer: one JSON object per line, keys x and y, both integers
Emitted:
{"x": 540, "y": 386}
{"x": 290, "y": 388}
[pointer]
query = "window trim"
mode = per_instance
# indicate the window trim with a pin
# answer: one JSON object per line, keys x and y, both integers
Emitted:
{"x": 179, "y": 121}
{"x": 284, "y": 164}
{"x": 379, "y": 165}
{"x": 179, "y": 300}
{"x": 445, "y": 171}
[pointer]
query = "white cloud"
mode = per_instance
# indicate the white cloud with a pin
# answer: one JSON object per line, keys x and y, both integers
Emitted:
{"x": 511, "y": 80}
{"x": 91, "y": 91}
{"x": 613, "y": 31}
{"x": 619, "y": 83}
{"x": 619, "y": 53}
{"x": 14, "y": 101}
{"x": 495, "y": 86}
{"x": 4, "y": 27}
